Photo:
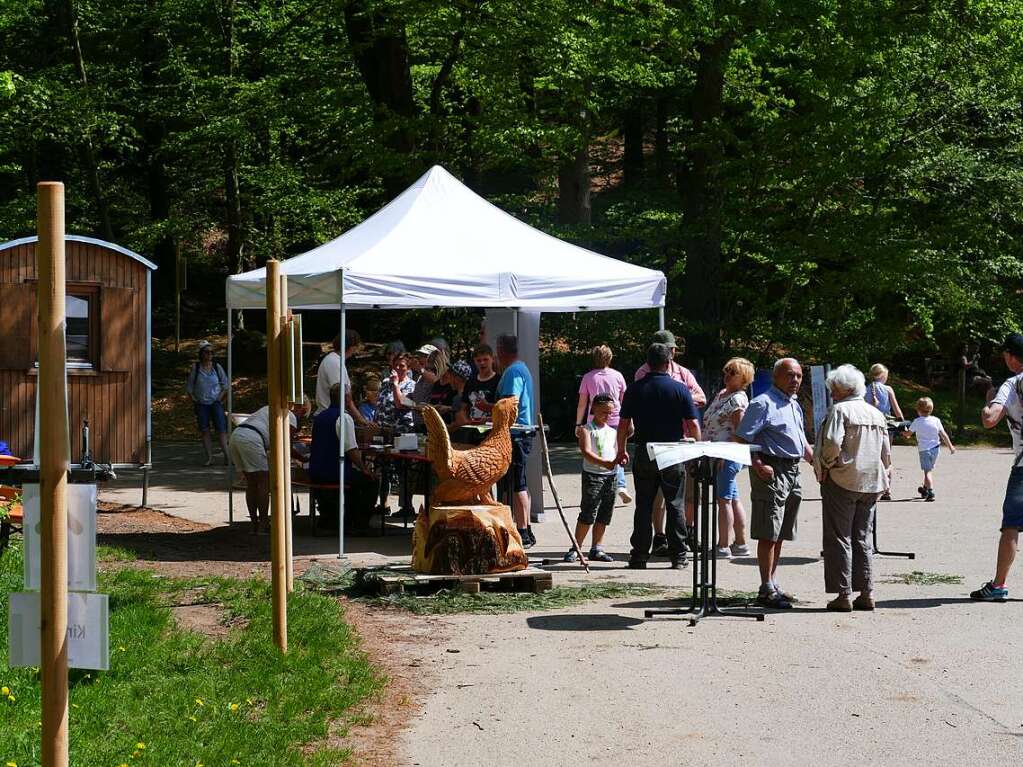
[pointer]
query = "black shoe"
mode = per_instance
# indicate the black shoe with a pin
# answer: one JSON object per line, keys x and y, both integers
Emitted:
{"x": 922, "y": 490}
{"x": 930, "y": 495}
{"x": 528, "y": 541}
{"x": 660, "y": 548}
{"x": 636, "y": 564}
{"x": 679, "y": 563}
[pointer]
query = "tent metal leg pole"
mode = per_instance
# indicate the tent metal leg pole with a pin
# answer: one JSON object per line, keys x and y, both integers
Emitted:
{"x": 230, "y": 410}
{"x": 515, "y": 322}
{"x": 660, "y": 318}
{"x": 341, "y": 441}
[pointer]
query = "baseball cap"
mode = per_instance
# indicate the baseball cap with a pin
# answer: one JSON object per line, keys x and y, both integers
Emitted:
{"x": 665, "y": 337}
{"x": 426, "y": 349}
{"x": 1014, "y": 345}
{"x": 204, "y": 345}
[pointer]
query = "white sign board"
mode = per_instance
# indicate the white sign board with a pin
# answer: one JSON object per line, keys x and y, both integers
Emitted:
{"x": 81, "y": 538}
{"x": 820, "y": 396}
{"x": 88, "y": 641}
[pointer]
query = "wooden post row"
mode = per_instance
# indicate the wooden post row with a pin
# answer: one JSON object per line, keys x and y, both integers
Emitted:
{"x": 54, "y": 460}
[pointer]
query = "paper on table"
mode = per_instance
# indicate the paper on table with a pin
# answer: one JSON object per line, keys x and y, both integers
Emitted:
{"x": 667, "y": 454}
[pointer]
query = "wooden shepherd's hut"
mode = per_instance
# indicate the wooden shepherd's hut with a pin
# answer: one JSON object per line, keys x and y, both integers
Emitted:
{"x": 109, "y": 362}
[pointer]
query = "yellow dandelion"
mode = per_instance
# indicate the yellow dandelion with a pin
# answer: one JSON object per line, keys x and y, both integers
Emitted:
{"x": 234, "y": 706}
{"x": 11, "y": 698}
{"x": 140, "y": 746}
{"x": 198, "y": 702}
{"x": 11, "y": 764}
{"x": 5, "y": 690}
{"x": 249, "y": 701}
{"x": 193, "y": 719}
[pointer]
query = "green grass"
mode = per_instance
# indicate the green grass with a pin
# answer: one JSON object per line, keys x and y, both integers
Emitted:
{"x": 191, "y": 698}
{"x": 921, "y": 578}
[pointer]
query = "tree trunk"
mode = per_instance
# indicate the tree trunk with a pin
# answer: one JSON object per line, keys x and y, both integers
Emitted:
{"x": 234, "y": 256}
{"x": 86, "y": 151}
{"x": 574, "y": 186}
{"x": 154, "y": 132}
{"x": 662, "y": 163}
{"x": 702, "y": 198}
{"x": 381, "y": 52}
{"x": 632, "y": 131}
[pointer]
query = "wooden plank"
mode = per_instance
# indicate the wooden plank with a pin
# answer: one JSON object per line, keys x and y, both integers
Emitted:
{"x": 399, "y": 579}
{"x": 17, "y": 345}
{"x": 117, "y": 312}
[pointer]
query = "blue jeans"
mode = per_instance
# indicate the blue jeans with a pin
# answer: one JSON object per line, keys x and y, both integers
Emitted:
{"x": 214, "y": 412}
{"x": 620, "y": 476}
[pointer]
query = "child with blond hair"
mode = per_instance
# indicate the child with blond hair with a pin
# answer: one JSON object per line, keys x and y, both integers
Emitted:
{"x": 930, "y": 435}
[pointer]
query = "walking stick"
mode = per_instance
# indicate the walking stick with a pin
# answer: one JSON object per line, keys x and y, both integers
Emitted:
{"x": 554, "y": 492}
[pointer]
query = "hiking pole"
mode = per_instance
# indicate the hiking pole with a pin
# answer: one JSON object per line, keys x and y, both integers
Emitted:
{"x": 554, "y": 492}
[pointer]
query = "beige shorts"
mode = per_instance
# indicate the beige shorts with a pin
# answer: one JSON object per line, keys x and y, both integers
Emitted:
{"x": 247, "y": 452}
{"x": 775, "y": 504}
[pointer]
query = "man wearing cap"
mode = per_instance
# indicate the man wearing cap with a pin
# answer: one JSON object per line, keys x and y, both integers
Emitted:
{"x": 333, "y": 371}
{"x": 661, "y": 410}
{"x": 685, "y": 377}
{"x": 774, "y": 422}
{"x": 1007, "y": 403}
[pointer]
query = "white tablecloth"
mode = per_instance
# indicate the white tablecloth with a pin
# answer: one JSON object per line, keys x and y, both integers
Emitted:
{"x": 667, "y": 454}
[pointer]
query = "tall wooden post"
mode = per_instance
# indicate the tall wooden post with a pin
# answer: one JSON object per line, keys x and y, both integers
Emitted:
{"x": 287, "y": 360}
{"x": 278, "y": 457}
{"x": 54, "y": 460}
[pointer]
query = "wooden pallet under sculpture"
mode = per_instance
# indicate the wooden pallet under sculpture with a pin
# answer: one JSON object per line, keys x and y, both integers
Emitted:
{"x": 465, "y": 531}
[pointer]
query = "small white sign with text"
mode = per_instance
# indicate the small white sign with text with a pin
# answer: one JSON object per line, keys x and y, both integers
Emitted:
{"x": 88, "y": 641}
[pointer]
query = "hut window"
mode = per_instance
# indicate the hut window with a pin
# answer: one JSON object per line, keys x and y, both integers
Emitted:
{"x": 82, "y": 319}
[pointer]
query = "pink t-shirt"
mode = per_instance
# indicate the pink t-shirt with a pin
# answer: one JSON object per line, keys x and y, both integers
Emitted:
{"x": 683, "y": 376}
{"x": 604, "y": 381}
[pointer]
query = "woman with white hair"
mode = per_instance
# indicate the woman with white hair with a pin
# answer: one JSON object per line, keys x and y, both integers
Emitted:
{"x": 851, "y": 459}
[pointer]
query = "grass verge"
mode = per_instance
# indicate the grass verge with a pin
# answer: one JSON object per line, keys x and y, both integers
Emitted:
{"x": 175, "y": 697}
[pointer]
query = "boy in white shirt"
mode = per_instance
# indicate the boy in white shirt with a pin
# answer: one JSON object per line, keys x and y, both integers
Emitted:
{"x": 598, "y": 443}
{"x": 930, "y": 435}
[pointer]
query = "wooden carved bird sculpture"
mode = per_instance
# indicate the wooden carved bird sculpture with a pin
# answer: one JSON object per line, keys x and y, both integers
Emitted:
{"x": 466, "y": 476}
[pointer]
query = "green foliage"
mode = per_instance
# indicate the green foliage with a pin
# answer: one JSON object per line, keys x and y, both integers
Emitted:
{"x": 920, "y": 578}
{"x": 866, "y": 158}
{"x": 188, "y": 698}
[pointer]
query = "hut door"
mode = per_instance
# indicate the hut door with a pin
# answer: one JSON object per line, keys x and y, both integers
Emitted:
{"x": 17, "y": 341}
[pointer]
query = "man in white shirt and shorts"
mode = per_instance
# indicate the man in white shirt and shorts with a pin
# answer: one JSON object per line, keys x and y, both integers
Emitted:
{"x": 1007, "y": 403}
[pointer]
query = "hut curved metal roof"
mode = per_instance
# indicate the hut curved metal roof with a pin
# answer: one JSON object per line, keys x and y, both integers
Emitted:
{"x": 88, "y": 241}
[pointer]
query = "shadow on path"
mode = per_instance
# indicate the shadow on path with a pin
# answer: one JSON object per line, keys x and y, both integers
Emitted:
{"x": 919, "y": 603}
{"x": 582, "y": 622}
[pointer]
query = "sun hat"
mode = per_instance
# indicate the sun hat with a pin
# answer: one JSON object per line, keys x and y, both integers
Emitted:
{"x": 462, "y": 369}
{"x": 426, "y": 349}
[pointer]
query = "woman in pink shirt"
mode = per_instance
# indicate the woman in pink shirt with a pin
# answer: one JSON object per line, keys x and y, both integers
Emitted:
{"x": 603, "y": 379}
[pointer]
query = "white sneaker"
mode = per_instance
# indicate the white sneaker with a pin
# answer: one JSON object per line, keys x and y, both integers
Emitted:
{"x": 625, "y": 495}
{"x": 740, "y": 550}
{"x": 723, "y": 552}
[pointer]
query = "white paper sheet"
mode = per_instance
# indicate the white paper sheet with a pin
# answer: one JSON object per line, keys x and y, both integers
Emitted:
{"x": 81, "y": 538}
{"x": 667, "y": 454}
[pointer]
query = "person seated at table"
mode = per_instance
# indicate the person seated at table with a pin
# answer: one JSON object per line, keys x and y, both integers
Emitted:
{"x": 434, "y": 368}
{"x": 249, "y": 450}
{"x": 369, "y": 397}
{"x": 325, "y": 469}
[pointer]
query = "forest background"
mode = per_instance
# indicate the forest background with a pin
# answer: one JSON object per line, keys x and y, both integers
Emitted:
{"x": 837, "y": 178}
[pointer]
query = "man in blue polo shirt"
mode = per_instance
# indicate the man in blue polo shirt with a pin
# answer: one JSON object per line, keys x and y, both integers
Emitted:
{"x": 516, "y": 381}
{"x": 774, "y": 422}
{"x": 661, "y": 410}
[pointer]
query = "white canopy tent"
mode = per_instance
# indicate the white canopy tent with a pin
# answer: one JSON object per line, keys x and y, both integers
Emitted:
{"x": 439, "y": 244}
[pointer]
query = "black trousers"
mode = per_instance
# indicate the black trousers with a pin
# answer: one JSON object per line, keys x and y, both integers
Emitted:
{"x": 672, "y": 483}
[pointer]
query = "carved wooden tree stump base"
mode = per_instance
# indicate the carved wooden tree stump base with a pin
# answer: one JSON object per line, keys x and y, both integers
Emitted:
{"x": 467, "y": 540}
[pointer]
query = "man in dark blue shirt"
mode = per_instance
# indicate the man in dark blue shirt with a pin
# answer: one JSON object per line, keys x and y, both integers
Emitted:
{"x": 661, "y": 410}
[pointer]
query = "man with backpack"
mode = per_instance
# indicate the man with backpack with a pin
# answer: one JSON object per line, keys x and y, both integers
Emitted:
{"x": 207, "y": 386}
